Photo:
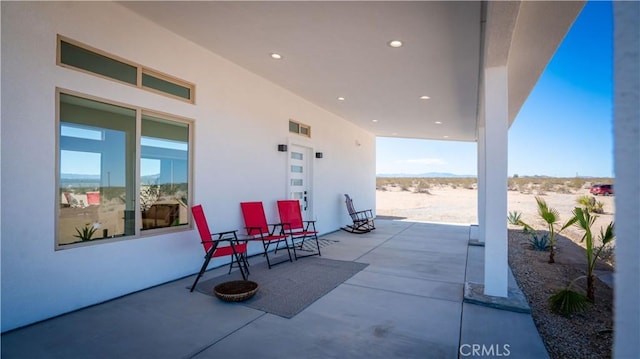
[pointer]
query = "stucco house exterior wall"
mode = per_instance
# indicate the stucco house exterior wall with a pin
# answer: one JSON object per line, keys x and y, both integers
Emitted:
{"x": 239, "y": 119}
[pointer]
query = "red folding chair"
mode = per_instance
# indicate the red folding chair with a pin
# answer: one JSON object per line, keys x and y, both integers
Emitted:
{"x": 257, "y": 228}
{"x": 211, "y": 241}
{"x": 296, "y": 227}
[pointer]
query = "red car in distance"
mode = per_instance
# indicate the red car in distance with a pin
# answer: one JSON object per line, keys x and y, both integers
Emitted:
{"x": 602, "y": 189}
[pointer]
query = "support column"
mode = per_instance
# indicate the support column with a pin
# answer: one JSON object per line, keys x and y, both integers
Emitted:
{"x": 626, "y": 116}
{"x": 482, "y": 185}
{"x": 496, "y": 161}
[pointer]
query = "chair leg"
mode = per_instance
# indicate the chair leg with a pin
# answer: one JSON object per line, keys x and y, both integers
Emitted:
{"x": 304, "y": 238}
{"x": 245, "y": 260}
{"x": 238, "y": 258}
{"x": 318, "y": 245}
{"x": 289, "y": 250}
{"x": 293, "y": 245}
{"x": 203, "y": 269}
{"x": 266, "y": 247}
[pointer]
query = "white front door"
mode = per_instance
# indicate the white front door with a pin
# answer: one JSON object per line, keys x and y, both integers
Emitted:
{"x": 300, "y": 178}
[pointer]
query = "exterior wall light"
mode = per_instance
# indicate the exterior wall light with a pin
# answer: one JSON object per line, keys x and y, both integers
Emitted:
{"x": 318, "y": 154}
{"x": 282, "y": 148}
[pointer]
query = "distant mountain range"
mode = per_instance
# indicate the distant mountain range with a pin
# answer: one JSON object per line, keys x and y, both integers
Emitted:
{"x": 73, "y": 176}
{"x": 69, "y": 180}
{"x": 425, "y": 175}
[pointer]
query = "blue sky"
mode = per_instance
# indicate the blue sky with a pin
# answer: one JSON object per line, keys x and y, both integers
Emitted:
{"x": 564, "y": 128}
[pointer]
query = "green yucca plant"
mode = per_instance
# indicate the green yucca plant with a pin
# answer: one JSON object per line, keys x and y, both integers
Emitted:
{"x": 514, "y": 218}
{"x": 87, "y": 232}
{"x": 539, "y": 244}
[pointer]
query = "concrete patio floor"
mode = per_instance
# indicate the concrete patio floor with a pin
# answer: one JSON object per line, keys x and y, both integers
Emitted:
{"x": 408, "y": 303}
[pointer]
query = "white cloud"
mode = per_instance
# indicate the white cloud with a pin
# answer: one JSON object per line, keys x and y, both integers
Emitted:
{"x": 427, "y": 161}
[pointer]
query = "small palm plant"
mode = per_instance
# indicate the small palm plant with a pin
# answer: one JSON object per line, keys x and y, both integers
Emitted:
{"x": 551, "y": 216}
{"x": 567, "y": 301}
{"x": 584, "y": 221}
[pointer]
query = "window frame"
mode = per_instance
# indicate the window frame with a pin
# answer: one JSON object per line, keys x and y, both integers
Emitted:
{"x": 140, "y": 111}
{"x": 140, "y": 70}
{"x": 301, "y": 126}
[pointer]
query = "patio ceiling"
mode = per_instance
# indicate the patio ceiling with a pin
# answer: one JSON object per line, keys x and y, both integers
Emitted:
{"x": 341, "y": 49}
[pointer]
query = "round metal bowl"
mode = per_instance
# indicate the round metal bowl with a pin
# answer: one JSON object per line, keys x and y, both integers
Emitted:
{"x": 236, "y": 290}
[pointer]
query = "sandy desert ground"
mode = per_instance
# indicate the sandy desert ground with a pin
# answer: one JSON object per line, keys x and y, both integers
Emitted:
{"x": 584, "y": 335}
{"x": 444, "y": 204}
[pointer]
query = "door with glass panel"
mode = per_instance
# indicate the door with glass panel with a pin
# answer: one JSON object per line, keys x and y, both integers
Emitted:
{"x": 300, "y": 178}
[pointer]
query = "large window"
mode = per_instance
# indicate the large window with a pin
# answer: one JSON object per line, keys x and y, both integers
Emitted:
{"x": 101, "y": 148}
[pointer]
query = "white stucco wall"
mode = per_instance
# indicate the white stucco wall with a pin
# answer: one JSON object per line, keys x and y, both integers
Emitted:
{"x": 239, "y": 119}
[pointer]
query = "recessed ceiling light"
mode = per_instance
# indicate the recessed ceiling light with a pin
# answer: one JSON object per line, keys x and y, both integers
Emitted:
{"x": 276, "y": 56}
{"x": 445, "y": 136}
{"x": 395, "y": 43}
{"x": 424, "y": 97}
{"x": 438, "y": 123}
{"x": 374, "y": 120}
{"x": 394, "y": 134}
{"x": 341, "y": 98}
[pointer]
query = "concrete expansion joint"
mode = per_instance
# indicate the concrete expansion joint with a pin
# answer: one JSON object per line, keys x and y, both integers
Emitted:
{"x": 514, "y": 302}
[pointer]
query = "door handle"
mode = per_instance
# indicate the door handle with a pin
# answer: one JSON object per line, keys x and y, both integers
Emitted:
{"x": 306, "y": 203}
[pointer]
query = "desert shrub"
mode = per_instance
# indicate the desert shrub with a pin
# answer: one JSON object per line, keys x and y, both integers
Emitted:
{"x": 599, "y": 208}
{"x": 547, "y": 186}
{"x": 607, "y": 254}
{"x": 589, "y": 203}
{"x": 576, "y": 183}
{"x": 422, "y": 187}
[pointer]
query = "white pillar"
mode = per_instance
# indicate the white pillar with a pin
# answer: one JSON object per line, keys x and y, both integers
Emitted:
{"x": 626, "y": 113}
{"x": 482, "y": 187}
{"x": 496, "y": 160}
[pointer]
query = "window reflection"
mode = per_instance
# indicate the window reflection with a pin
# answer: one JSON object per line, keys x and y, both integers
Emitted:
{"x": 164, "y": 173}
{"x": 97, "y": 157}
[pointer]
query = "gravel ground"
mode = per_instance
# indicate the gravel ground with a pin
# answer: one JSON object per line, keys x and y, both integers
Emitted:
{"x": 585, "y": 335}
